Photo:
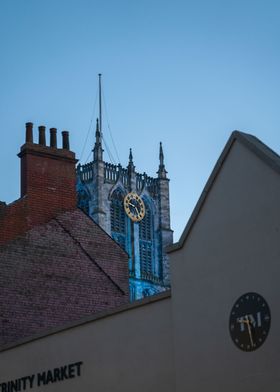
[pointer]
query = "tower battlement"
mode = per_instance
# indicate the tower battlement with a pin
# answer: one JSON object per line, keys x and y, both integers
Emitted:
{"x": 114, "y": 173}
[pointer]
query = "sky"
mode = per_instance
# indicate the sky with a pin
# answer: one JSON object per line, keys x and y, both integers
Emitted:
{"x": 186, "y": 73}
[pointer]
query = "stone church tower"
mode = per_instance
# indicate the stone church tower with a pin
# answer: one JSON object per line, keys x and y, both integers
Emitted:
{"x": 102, "y": 188}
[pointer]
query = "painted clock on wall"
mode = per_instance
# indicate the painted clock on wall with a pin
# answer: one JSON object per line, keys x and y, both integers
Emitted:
{"x": 249, "y": 321}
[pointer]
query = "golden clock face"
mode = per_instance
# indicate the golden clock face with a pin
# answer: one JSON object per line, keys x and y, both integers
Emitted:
{"x": 134, "y": 207}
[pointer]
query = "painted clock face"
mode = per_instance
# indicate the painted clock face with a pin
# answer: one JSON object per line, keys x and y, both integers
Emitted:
{"x": 134, "y": 207}
{"x": 249, "y": 321}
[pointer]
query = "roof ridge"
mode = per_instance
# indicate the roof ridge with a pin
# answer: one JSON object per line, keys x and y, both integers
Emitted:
{"x": 88, "y": 255}
{"x": 256, "y": 146}
{"x": 101, "y": 228}
{"x": 261, "y": 149}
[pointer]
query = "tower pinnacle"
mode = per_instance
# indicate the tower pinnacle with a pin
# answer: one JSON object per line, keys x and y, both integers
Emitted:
{"x": 97, "y": 131}
{"x": 97, "y": 150}
{"x": 161, "y": 169}
{"x": 130, "y": 167}
{"x": 130, "y": 157}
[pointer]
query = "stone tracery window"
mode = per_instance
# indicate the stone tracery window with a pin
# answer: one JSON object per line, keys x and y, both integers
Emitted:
{"x": 118, "y": 228}
{"x": 145, "y": 242}
{"x": 83, "y": 200}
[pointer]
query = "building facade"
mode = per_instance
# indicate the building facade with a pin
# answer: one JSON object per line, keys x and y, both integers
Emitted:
{"x": 102, "y": 188}
{"x": 200, "y": 337}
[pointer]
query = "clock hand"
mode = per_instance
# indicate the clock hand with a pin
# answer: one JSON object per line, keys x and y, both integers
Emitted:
{"x": 242, "y": 321}
{"x": 134, "y": 206}
{"x": 247, "y": 321}
{"x": 249, "y": 330}
{"x": 131, "y": 204}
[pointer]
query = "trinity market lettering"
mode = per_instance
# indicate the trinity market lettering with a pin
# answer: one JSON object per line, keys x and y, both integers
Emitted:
{"x": 43, "y": 378}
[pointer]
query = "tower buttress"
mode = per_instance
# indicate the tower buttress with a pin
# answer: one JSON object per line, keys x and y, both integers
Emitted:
{"x": 98, "y": 211}
{"x": 164, "y": 211}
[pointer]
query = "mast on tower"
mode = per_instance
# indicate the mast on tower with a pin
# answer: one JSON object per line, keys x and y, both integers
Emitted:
{"x": 97, "y": 150}
{"x": 100, "y": 105}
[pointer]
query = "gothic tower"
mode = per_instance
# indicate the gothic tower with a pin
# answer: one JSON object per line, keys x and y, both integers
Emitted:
{"x": 102, "y": 188}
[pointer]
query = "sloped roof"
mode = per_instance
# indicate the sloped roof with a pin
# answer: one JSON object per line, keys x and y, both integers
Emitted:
{"x": 97, "y": 245}
{"x": 265, "y": 153}
{"x": 59, "y": 272}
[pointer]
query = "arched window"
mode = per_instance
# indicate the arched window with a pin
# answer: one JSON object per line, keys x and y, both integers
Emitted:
{"x": 83, "y": 199}
{"x": 118, "y": 228}
{"x": 132, "y": 293}
{"x": 146, "y": 293}
{"x": 146, "y": 243}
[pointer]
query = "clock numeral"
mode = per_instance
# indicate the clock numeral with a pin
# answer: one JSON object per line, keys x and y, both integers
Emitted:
{"x": 254, "y": 321}
{"x": 259, "y": 320}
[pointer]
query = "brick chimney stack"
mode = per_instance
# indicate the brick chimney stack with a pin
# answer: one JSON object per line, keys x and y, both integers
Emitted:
{"x": 47, "y": 175}
{"x": 53, "y": 140}
{"x": 48, "y": 184}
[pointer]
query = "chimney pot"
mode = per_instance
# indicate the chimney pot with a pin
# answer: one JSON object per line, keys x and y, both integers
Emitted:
{"x": 42, "y": 135}
{"x": 65, "y": 140}
{"x": 29, "y": 132}
{"x": 53, "y": 139}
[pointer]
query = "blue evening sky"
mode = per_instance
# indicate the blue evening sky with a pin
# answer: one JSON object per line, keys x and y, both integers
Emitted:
{"x": 186, "y": 73}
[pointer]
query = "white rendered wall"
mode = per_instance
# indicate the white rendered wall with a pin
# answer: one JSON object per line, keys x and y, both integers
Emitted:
{"x": 233, "y": 248}
{"x": 124, "y": 352}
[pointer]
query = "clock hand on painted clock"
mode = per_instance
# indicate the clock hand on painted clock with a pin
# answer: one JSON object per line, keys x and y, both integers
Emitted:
{"x": 249, "y": 330}
{"x": 247, "y": 321}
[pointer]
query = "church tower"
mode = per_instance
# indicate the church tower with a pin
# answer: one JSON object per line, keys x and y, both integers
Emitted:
{"x": 133, "y": 208}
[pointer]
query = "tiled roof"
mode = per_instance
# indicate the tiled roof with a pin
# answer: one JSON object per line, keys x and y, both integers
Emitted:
{"x": 59, "y": 272}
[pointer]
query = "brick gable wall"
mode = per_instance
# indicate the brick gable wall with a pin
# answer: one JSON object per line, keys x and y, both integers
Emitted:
{"x": 56, "y": 264}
